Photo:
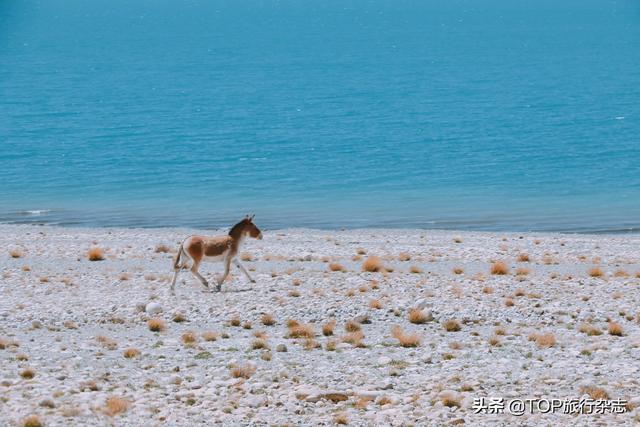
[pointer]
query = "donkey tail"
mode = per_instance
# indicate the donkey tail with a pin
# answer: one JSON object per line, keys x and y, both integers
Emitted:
{"x": 176, "y": 263}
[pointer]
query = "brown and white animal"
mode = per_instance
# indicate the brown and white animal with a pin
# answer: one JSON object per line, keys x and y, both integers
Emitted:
{"x": 218, "y": 248}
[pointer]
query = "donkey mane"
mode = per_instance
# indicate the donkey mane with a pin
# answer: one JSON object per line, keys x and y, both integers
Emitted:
{"x": 237, "y": 227}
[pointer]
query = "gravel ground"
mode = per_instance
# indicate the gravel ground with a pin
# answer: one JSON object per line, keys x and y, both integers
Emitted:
{"x": 542, "y": 330}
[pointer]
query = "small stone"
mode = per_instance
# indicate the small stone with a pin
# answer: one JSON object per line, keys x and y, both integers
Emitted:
{"x": 281, "y": 348}
{"x": 153, "y": 308}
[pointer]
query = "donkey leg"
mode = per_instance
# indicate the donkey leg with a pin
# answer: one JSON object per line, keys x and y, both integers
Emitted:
{"x": 175, "y": 276}
{"x": 244, "y": 270}
{"x": 194, "y": 271}
{"x": 221, "y": 279}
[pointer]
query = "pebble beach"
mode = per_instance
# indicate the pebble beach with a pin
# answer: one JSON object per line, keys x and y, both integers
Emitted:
{"x": 356, "y": 327}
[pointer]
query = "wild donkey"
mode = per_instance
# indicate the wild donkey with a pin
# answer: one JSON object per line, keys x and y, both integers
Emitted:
{"x": 219, "y": 248}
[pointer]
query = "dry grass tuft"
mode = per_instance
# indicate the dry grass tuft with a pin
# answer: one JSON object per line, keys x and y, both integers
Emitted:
{"x": 589, "y": 329}
{"x": 234, "y": 321}
{"x": 179, "y": 317}
{"x": 156, "y": 325}
{"x": 404, "y": 339}
{"x": 336, "y": 266}
{"x": 494, "y": 341}
{"x": 373, "y": 264}
{"x": 450, "y": 400}
{"x": 404, "y": 256}
{"x": 327, "y": 328}
{"x": 267, "y": 320}
{"x": 375, "y": 304}
{"x": 131, "y": 353}
{"x": 32, "y": 421}
{"x": 189, "y": 338}
{"x": 595, "y": 272}
{"x": 341, "y": 418}
{"x": 499, "y": 268}
{"x": 16, "y": 253}
{"x": 458, "y": 270}
{"x": 418, "y": 316}
{"x": 164, "y": 249}
{"x": 615, "y": 329}
{"x": 522, "y": 271}
{"x": 28, "y": 373}
{"x": 246, "y": 256}
{"x": 95, "y": 254}
{"x": 415, "y": 269}
{"x": 523, "y": 258}
{"x": 259, "y": 344}
{"x": 487, "y": 290}
{"x": 116, "y": 405}
{"x": 301, "y": 331}
{"x": 545, "y": 340}
{"x": 508, "y": 302}
{"x": 596, "y": 393}
{"x": 243, "y": 371}
{"x": 451, "y": 325}
{"x": 352, "y": 326}
{"x": 354, "y": 338}
{"x": 620, "y": 273}
{"x": 209, "y": 336}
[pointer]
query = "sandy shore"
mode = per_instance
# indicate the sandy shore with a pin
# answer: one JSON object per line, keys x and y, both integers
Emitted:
{"x": 68, "y": 321}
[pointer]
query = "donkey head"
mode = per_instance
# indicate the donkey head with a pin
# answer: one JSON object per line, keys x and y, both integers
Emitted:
{"x": 250, "y": 228}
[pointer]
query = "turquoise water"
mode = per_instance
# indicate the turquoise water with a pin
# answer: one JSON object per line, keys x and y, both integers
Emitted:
{"x": 484, "y": 115}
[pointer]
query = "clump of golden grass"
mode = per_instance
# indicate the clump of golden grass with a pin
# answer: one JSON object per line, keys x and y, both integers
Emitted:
{"x": 246, "y": 256}
{"x": 615, "y": 329}
{"x": 131, "y": 352}
{"x": 266, "y": 356}
{"x": 404, "y": 256}
{"x": 28, "y": 373}
{"x": 301, "y": 331}
{"x": 162, "y": 249}
{"x": 243, "y": 371}
{"x": 451, "y": 325}
{"x": 327, "y": 328}
{"x": 310, "y": 344}
{"x": 115, "y": 405}
{"x": 32, "y": 421}
{"x": 620, "y": 273}
{"x": 6, "y": 343}
{"x": 350, "y": 293}
{"x": 523, "y": 258}
{"x": 294, "y": 293}
{"x": 331, "y": 345}
{"x": 596, "y": 393}
{"x": 405, "y": 339}
{"x": 246, "y": 325}
{"x": 508, "y": 302}
{"x": 234, "y": 321}
{"x": 457, "y": 240}
{"x": 336, "y": 266}
{"x": 341, "y": 418}
{"x": 373, "y": 264}
{"x": 418, "y": 316}
{"x": 354, "y": 338}
{"x": 16, "y": 253}
{"x": 546, "y": 340}
{"x": 374, "y": 284}
{"x": 522, "y": 272}
{"x": 123, "y": 276}
{"x": 156, "y": 325}
{"x": 291, "y": 323}
{"x": 494, "y": 341}
{"x": 179, "y": 317}
{"x": 375, "y": 304}
{"x": 549, "y": 260}
{"x": 107, "y": 342}
{"x": 499, "y": 268}
{"x": 27, "y": 268}
{"x": 520, "y": 292}
{"x": 352, "y": 326}
{"x": 361, "y": 251}
{"x": 415, "y": 269}
{"x": 363, "y": 288}
{"x": 595, "y": 272}
{"x": 591, "y": 330}
{"x": 267, "y": 320}
{"x": 189, "y": 338}
{"x": 458, "y": 270}
{"x": 259, "y": 344}
{"x": 95, "y": 254}
{"x": 295, "y": 282}
{"x": 487, "y": 290}
{"x": 450, "y": 400}
{"x": 209, "y": 336}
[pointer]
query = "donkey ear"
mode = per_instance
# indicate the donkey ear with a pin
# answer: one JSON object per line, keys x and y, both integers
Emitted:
{"x": 251, "y": 217}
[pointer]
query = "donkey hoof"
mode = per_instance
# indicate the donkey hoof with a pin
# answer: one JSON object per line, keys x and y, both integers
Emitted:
{"x": 253, "y": 281}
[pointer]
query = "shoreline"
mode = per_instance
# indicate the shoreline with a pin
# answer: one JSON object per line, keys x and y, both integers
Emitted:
{"x": 82, "y": 327}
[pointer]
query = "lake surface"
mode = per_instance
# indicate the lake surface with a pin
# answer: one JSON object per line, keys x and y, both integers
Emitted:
{"x": 482, "y": 115}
